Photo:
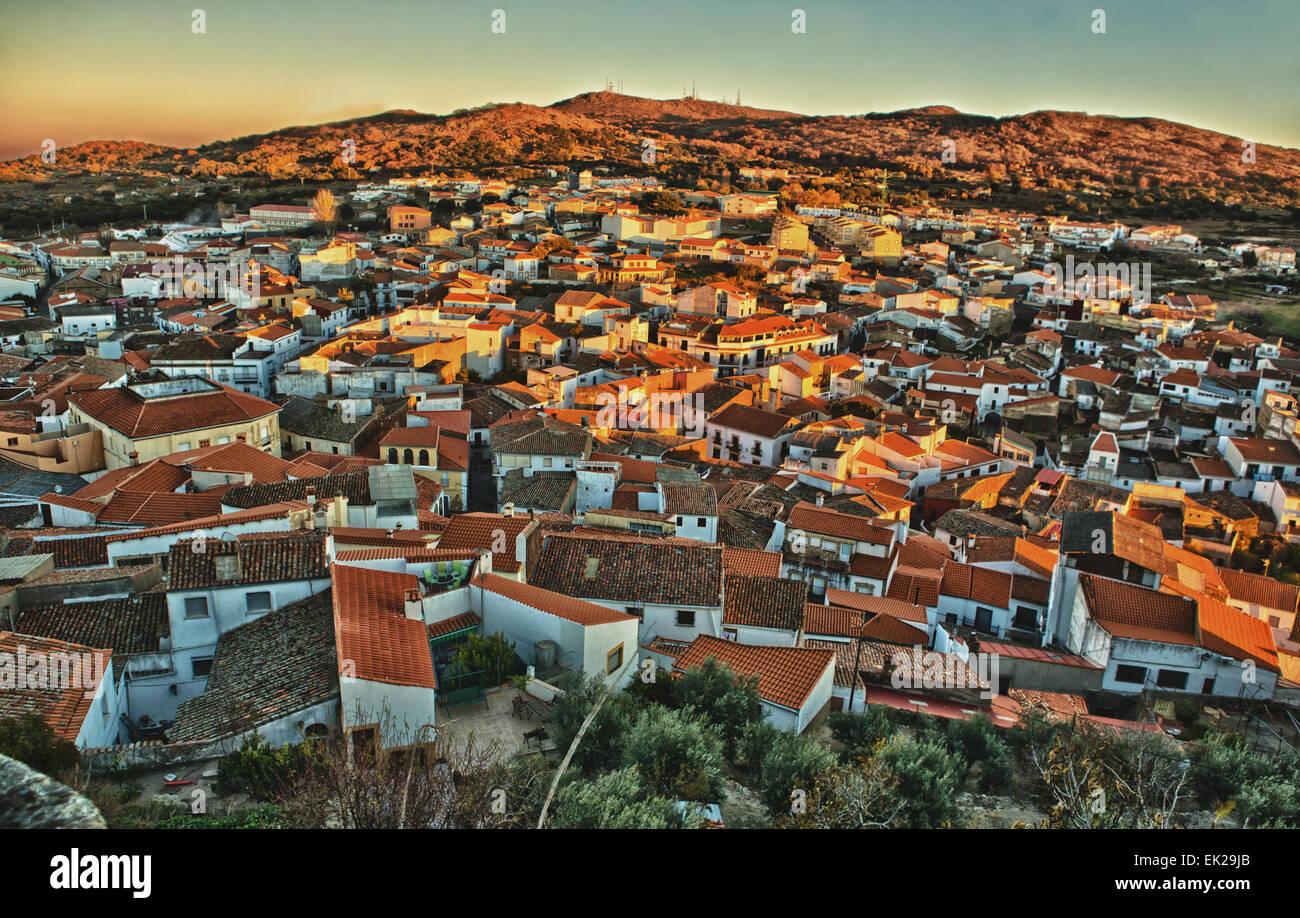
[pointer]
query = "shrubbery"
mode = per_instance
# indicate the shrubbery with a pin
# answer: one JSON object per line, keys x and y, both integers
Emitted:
{"x": 266, "y": 772}
{"x": 30, "y": 740}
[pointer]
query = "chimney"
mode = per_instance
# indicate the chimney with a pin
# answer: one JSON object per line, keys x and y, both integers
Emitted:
{"x": 508, "y": 509}
{"x": 226, "y": 562}
{"x": 821, "y": 499}
{"x": 311, "y": 495}
{"x": 414, "y": 607}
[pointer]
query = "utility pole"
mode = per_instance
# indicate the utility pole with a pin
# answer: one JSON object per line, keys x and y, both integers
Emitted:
{"x": 857, "y": 661}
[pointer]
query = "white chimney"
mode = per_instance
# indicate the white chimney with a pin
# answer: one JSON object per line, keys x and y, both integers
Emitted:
{"x": 414, "y": 607}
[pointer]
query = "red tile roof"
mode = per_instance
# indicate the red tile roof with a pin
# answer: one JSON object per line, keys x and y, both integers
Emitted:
{"x": 129, "y": 414}
{"x": 64, "y": 708}
{"x": 1236, "y": 634}
{"x": 1134, "y": 612}
{"x": 1258, "y": 590}
{"x": 786, "y": 675}
{"x": 751, "y": 561}
{"x": 811, "y": 518}
{"x": 557, "y": 604}
{"x": 374, "y": 638}
{"x": 876, "y": 605}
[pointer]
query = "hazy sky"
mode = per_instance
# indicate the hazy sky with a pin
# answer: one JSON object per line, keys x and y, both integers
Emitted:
{"x": 75, "y": 70}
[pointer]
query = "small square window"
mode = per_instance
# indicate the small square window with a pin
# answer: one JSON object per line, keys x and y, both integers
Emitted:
{"x": 1171, "y": 679}
{"x": 1132, "y": 675}
{"x": 685, "y": 619}
{"x": 201, "y": 666}
{"x": 196, "y": 607}
{"x": 258, "y": 603}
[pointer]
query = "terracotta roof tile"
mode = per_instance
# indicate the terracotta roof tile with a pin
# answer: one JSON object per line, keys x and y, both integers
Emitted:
{"x": 373, "y": 637}
{"x": 557, "y": 604}
{"x": 786, "y": 675}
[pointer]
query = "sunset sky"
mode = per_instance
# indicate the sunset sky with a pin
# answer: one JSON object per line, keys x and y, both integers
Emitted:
{"x": 77, "y": 70}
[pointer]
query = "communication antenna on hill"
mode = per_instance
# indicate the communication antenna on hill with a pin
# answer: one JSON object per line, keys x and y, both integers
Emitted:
{"x": 884, "y": 189}
{"x": 737, "y": 97}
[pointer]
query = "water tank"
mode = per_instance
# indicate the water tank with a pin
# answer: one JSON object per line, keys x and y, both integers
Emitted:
{"x": 545, "y": 655}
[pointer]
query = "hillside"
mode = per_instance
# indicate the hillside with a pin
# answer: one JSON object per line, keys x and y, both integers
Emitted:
{"x": 697, "y": 135}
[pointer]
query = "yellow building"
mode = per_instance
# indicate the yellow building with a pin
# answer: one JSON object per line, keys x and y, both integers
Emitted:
{"x": 144, "y": 421}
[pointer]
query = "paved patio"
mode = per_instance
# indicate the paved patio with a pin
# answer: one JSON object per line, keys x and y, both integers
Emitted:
{"x": 492, "y": 723}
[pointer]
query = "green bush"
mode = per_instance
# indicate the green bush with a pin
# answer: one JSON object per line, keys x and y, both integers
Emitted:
{"x": 726, "y": 700}
{"x": 1269, "y": 803}
{"x": 861, "y": 732}
{"x": 1221, "y": 766}
{"x": 928, "y": 778}
{"x": 266, "y": 772}
{"x": 755, "y": 741}
{"x": 981, "y": 744}
{"x": 30, "y": 740}
{"x": 491, "y": 654}
{"x": 677, "y": 753}
{"x": 791, "y": 764}
{"x": 619, "y": 800}
{"x": 601, "y": 746}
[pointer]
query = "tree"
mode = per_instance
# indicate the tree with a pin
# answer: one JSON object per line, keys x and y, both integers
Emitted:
{"x": 1091, "y": 779}
{"x": 30, "y": 740}
{"x": 726, "y": 700}
{"x": 928, "y": 777}
{"x": 664, "y": 203}
{"x": 600, "y": 749}
{"x": 618, "y": 800}
{"x": 860, "y": 733}
{"x": 676, "y": 753}
{"x": 790, "y": 770}
{"x": 325, "y": 210}
{"x": 491, "y": 654}
{"x": 860, "y": 796}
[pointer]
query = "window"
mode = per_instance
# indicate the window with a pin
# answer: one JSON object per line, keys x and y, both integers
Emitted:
{"x": 614, "y": 660}
{"x": 1133, "y": 675}
{"x": 546, "y": 463}
{"x": 201, "y": 666}
{"x": 700, "y": 522}
{"x": 729, "y": 634}
{"x": 638, "y": 611}
{"x": 259, "y": 602}
{"x": 1171, "y": 678}
{"x": 685, "y": 619}
{"x": 196, "y": 607}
